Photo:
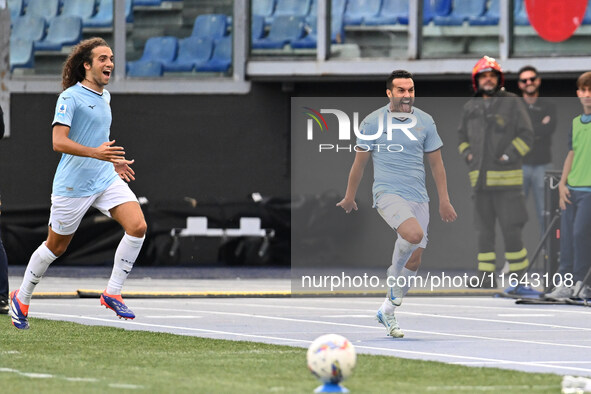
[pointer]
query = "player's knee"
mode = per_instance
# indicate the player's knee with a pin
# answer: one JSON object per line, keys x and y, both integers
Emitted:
{"x": 57, "y": 248}
{"x": 414, "y": 237}
{"x": 138, "y": 229}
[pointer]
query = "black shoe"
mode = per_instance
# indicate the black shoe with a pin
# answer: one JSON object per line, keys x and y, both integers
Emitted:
{"x": 3, "y": 305}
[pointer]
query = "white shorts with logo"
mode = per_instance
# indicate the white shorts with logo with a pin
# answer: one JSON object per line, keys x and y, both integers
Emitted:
{"x": 67, "y": 212}
{"x": 395, "y": 210}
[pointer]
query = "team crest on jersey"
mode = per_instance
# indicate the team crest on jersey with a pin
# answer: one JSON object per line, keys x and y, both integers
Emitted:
{"x": 62, "y": 109}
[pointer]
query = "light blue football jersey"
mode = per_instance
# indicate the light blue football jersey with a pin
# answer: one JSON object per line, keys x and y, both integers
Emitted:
{"x": 398, "y": 162}
{"x": 88, "y": 114}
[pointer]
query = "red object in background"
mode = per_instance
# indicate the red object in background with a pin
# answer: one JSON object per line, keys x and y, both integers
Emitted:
{"x": 557, "y": 233}
{"x": 555, "y": 20}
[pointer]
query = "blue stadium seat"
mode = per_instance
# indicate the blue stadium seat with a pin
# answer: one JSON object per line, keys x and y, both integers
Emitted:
{"x": 192, "y": 51}
{"x": 47, "y": 9}
{"x": 337, "y": 35}
{"x": 337, "y": 7}
{"x": 147, "y": 3}
{"x": 358, "y": 10}
{"x": 284, "y": 29}
{"x": 520, "y": 17}
{"x": 210, "y": 25}
{"x": 462, "y": 10}
{"x": 587, "y": 17}
{"x": 63, "y": 30}
{"x": 159, "y": 49}
{"x": 221, "y": 60}
{"x": 16, "y": 8}
{"x": 490, "y": 17}
{"x": 30, "y": 28}
{"x": 264, "y": 8}
{"x": 145, "y": 69}
{"x": 81, "y": 8}
{"x": 21, "y": 53}
{"x": 257, "y": 27}
{"x": 104, "y": 15}
{"x": 292, "y": 8}
{"x": 431, "y": 8}
{"x": 390, "y": 12}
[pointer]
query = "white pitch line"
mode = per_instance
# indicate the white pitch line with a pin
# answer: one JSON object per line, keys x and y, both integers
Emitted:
{"x": 524, "y": 315}
{"x": 444, "y": 355}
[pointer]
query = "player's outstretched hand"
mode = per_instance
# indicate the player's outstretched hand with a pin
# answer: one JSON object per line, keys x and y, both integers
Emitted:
{"x": 108, "y": 152}
{"x": 123, "y": 169}
{"x": 447, "y": 212}
{"x": 347, "y": 205}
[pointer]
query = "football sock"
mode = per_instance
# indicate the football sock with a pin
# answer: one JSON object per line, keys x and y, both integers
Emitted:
{"x": 125, "y": 256}
{"x": 38, "y": 264}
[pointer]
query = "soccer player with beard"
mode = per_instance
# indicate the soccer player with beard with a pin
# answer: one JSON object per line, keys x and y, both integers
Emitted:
{"x": 399, "y": 191}
{"x": 495, "y": 133}
{"x": 91, "y": 172}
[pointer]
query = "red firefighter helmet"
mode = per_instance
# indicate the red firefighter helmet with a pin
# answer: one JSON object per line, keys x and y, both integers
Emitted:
{"x": 487, "y": 64}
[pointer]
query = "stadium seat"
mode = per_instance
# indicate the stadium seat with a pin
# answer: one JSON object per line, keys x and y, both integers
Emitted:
{"x": 81, "y": 8}
{"x": 63, "y": 30}
{"x": 47, "y": 9}
{"x": 431, "y": 8}
{"x": 490, "y": 17}
{"x": 221, "y": 60}
{"x": 284, "y": 29}
{"x": 213, "y": 26}
{"x": 192, "y": 51}
{"x": 30, "y": 28}
{"x": 157, "y": 49}
{"x": 358, "y": 10}
{"x": 390, "y": 12}
{"x": 337, "y": 35}
{"x": 520, "y": 17}
{"x": 462, "y": 10}
{"x": 104, "y": 15}
{"x": 145, "y": 69}
{"x": 292, "y": 8}
{"x": 264, "y": 8}
{"x": 16, "y": 8}
{"x": 587, "y": 17}
{"x": 21, "y": 53}
{"x": 147, "y": 3}
{"x": 337, "y": 7}
{"x": 257, "y": 27}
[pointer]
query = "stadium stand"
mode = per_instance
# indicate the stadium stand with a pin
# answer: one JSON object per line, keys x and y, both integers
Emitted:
{"x": 337, "y": 35}
{"x": 193, "y": 51}
{"x": 16, "y": 8}
{"x": 257, "y": 27}
{"x": 145, "y": 69}
{"x": 147, "y": 3}
{"x": 337, "y": 7}
{"x": 221, "y": 60}
{"x": 357, "y": 10}
{"x": 83, "y": 9}
{"x": 462, "y": 10}
{"x": 292, "y": 8}
{"x": 490, "y": 17}
{"x": 212, "y": 26}
{"x": 587, "y": 17}
{"x": 104, "y": 15}
{"x": 431, "y": 8}
{"x": 47, "y": 9}
{"x": 157, "y": 50}
{"x": 390, "y": 12}
{"x": 264, "y": 8}
{"x": 520, "y": 17}
{"x": 21, "y": 53}
{"x": 284, "y": 30}
{"x": 63, "y": 30}
{"x": 31, "y": 28}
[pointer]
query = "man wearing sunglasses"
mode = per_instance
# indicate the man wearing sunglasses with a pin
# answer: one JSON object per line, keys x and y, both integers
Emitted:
{"x": 542, "y": 113}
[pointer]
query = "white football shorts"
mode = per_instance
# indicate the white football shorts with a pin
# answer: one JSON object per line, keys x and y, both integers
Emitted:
{"x": 395, "y": 210}
{"x": 67, "y": 212}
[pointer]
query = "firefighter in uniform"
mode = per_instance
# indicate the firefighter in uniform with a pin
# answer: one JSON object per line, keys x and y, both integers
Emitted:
{"x": 494, "y": 134}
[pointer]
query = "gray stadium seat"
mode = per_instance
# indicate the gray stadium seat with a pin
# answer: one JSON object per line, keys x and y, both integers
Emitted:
{"x": 21, "y": 53}
{"x": 63, "y": 30}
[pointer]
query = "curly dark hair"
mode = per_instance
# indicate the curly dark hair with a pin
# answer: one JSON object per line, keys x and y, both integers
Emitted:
{"x": 74, "y": 71}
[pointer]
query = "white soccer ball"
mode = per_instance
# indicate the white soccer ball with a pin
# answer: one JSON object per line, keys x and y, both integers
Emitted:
{"x": 331, "y": 358}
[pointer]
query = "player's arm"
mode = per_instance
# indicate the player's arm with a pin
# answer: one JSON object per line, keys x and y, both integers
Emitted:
{"x": 446, "y": 210}
{"x": 348, "y": 203}
{"x": 107, "y": 152}
{"x": 563, "y": 191}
